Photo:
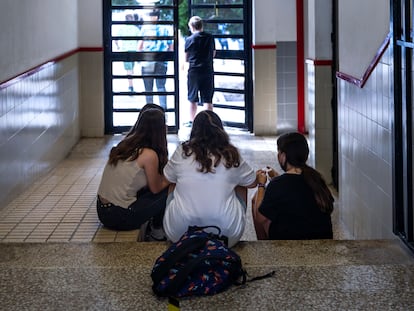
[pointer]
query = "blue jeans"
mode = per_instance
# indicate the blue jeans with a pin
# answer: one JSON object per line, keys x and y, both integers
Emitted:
{"x": 148, "y": 205}
{"x": 160, "y": 68}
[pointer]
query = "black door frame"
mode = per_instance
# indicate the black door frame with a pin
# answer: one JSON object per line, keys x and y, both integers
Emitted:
{"x": 403, "y": 45}
{"x": 110, "y": 56}
{"x": 244, "y": 55}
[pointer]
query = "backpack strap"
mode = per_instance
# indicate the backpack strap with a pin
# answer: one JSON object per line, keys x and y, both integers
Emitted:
{"x": 260, "y": 277}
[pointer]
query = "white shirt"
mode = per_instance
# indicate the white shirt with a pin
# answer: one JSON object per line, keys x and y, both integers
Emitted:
{"x": 205, "y": 199}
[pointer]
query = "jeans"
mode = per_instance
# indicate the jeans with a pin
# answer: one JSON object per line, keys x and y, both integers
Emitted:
{"x": 148, "y": 205}
{"x": 160, "y": 68}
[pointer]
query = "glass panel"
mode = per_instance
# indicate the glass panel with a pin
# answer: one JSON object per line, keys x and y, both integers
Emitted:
{"x": 128, "y": 15}
{"x": 122, "y": 85}
{"x": 229, "y": 44}
{"x": 143, "y": 67}
{"x": 217, "y": 30}
{"x": 230, "y": 115}
{"x": 124, "y": 118}
{"x": 229, "y": 82}
{"x": 229, "y": 65}
{"x": 170, "y": 118}
{"x": 218, "y": 13}
{"x": 129, "y": 118}
{"x": 137, "y": 100}
{"x": 228, "y": 98}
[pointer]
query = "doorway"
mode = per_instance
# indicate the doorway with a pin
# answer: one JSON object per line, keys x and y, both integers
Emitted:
{"x": 141, "y": 59}
{"x": 230, "y": 24}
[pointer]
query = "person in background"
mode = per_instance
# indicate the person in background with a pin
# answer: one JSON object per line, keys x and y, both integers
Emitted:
{"x": 123, "y": 45}
{"x": 209, "y": 182}
{"x": 296, "y": 205}
{"x": 133, "y": 189}
{"x": 155, "y": 67}
{"x": 199, "y": 53}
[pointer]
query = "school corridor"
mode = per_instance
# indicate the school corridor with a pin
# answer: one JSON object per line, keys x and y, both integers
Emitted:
{"x": 325, "y": 68}
{"x": 55, "y": 255}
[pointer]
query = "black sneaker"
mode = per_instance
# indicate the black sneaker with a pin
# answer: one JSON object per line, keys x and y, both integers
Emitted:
{"x": 152, "y": 234}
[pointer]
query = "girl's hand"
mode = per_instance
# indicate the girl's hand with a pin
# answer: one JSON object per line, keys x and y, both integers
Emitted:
{"x": 271, "y": 172}
{"x": 261, "y": 177}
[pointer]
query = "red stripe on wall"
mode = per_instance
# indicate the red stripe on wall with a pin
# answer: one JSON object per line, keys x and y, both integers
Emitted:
{"x": 263, "y": 46}
{"x": 319, "y": 62}
{"x": 300, "y": 45}
{"x": 33, "y": 70}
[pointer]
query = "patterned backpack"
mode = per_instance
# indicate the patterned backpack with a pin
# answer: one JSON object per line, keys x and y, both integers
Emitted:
{"x": 199, "y": 263}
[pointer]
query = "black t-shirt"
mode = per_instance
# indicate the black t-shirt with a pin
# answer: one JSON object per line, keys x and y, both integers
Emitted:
{"x": 200, "y": 47}
{"x": 290, "y": 205}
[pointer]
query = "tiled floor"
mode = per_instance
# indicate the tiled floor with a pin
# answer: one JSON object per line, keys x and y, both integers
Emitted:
{"x": 60, "y": 207}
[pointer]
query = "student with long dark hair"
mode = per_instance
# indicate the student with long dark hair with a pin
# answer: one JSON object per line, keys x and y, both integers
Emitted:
{"x": 297, "y": 204}
{"x": 133, "y": 189}
{"x": 210, "y": 181}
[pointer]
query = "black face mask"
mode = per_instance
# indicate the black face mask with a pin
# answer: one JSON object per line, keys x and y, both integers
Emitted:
{"x": 282, "y": 165}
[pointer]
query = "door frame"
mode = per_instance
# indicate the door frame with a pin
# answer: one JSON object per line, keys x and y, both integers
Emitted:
{"x": 244, "y": 56}
{"x": 402, "y": 43}
{"x": 110, "y": 56}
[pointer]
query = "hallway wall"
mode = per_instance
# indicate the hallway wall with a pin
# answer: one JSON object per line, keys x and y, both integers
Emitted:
{"x": 39, "y": 89}
{"x": 43, "y": 111}
{"x": 365, "y": 153}
{"x": 365, "y": 124}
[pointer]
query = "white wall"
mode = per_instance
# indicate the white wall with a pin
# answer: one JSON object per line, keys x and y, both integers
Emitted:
{"x": 90, "y": 23}
{"x": 274, "y": 20}
{"x": 318, "y": 29}
{"x": 365, "y": 131}
{"x": 22, "y": 48}
{"x": 363, "y": 27}
{"x": 39, "y": 112}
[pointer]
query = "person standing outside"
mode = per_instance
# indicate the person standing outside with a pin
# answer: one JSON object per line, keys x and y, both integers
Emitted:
{"x": 128, "y": 30}
{"x": 155, "y": 67}
{"x": 199, "y": 53}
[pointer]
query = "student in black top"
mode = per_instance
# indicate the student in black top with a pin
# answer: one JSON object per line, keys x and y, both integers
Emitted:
{"x": 296, "y": 205}
{"x": 199, "y": 50}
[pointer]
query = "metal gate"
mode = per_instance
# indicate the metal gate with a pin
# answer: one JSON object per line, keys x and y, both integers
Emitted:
{"x": 230, "y": 23}
{"x": 140, "y": 60}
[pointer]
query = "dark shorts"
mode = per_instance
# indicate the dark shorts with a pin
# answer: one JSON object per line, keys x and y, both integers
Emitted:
{"x": 200, "y": 83}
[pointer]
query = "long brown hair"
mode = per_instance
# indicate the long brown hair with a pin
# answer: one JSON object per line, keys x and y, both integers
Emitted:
{"x": 148, "y": 132}
{"x": 208, "y": 141}
{"x": 143, "y": 109}
{"x": 296, "y": 149}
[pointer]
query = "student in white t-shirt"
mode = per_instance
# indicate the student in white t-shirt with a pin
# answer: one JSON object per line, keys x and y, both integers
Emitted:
{"x": 209, "y": 182}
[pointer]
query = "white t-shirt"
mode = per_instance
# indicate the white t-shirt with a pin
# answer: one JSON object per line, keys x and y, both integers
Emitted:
{"x": 205, "y": 199}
